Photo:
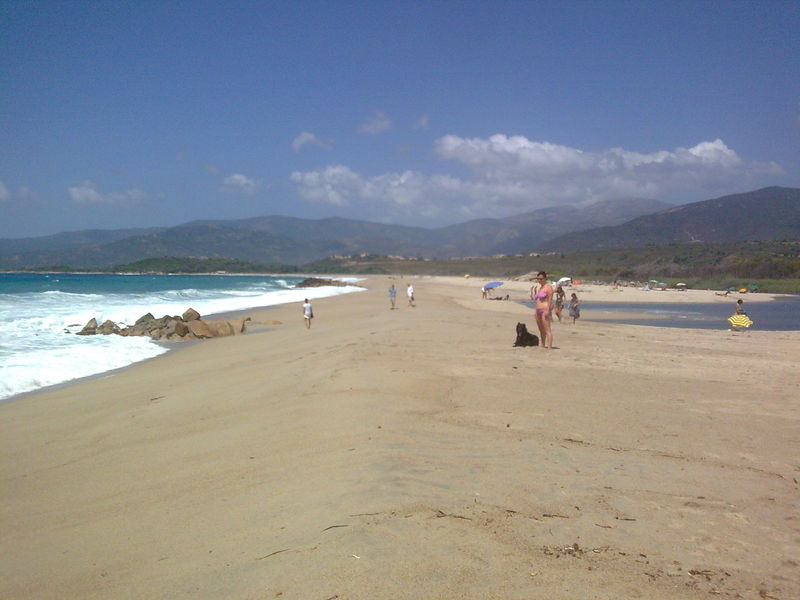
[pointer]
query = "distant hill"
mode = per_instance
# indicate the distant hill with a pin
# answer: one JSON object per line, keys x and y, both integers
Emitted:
{"x": 525, "y": 232}
{"x": 771, "y": 213}
{"x": 71, "y": 239}
{"x": 289, "y": 240}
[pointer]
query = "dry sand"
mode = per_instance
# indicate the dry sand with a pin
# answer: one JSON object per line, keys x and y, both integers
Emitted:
{"x": 414, "y": 454}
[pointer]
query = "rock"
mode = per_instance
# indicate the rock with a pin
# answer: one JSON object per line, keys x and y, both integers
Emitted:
{"x": 190, "y": 315}
{"x": 199, "y": 329}
{"x": 90, "y": 328}
{"x": 240, "y": 325}
{"x": 174, "y": 337}
{"x": 145, "y": 319}
{"x": 170, "y": 325}
{"x": 181, "y": 329}
{"x": 318, "y": 282}
{"x": 143, "y": 328}
{"x": 189, "y": 326}
{"x": 108, "y": 328}
{"x": 220, "y": 328}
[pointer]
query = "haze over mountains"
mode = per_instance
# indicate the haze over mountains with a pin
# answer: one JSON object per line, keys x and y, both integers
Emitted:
{"x": 770, "y": 213}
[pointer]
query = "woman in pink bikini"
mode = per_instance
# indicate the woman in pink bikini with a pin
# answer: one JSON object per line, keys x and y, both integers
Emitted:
{"x": 543, "y": 299}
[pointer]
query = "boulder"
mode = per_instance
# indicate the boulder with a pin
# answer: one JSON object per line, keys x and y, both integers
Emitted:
{"x": 319, "y": 282}
{"x": 220, "y": 328}
{"x": 199, "y": 329}
{"x": 108, "y": 328}
{"x": 145, "y": 319}
{"x": 190, "y": 315}
{"x": 90, "y": 328}
{"x": 143, "y": 328}
{"x": 189, "y": 326}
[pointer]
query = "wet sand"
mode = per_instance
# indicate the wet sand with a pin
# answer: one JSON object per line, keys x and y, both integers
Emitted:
{"x": 415, "y": 453}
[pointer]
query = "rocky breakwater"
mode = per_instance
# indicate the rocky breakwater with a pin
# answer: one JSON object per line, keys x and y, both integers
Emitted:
{"x": 319, "y": 282}
{"x": 189, "y": 326}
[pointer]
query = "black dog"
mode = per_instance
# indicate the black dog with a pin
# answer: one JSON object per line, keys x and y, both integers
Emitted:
{"x": 525, "y": 337}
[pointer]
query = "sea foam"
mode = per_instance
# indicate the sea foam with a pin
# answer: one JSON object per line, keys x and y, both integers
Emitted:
{"x": 38, "y": 345}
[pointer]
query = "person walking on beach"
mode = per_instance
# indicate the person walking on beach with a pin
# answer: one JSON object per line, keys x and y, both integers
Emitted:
{"x": 308, "y": 313}
{"x": 559, "y": 301}
{"x": 543, "y": 299}
{"x": 392, "y": 295}
{"x": 574, "y": 308}
{"x": 410, "y": 292}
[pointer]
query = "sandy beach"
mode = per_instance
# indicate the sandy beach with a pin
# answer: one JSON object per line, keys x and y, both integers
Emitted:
{"x": 414, "y": 453}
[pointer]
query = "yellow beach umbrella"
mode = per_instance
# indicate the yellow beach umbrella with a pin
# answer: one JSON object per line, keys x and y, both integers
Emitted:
{"x": 739, "y": 321}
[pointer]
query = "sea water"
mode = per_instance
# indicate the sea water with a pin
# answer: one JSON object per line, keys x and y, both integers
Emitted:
{"x": 782, "y": 314}
{"x": 41, "y": 313}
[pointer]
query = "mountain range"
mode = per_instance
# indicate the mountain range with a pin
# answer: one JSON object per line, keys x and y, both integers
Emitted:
{"x": 771, "y": 213}
{"x": 766, "y": 214}
{"x": 290, "y": 240}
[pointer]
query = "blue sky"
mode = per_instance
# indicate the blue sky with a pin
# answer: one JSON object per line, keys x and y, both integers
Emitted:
{"x": 422, "y": 113}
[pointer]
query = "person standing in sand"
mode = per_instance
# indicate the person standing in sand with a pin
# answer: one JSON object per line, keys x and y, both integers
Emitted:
{"x": 392, "y": 295}
{"x": 574, "y": 308}
{"x": 560, "y": 296}
{"x": 410, "y": 292}
{"x": 308, "y": 313}
{"x": 543, "y": 302}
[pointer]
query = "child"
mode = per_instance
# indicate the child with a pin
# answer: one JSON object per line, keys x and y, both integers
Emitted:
{"x": 574, "y": 308}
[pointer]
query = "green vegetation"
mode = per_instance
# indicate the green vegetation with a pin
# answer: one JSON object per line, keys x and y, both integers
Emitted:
{"x": 199, "y": 265}
{"x": 51, "y": 269}
{"x": 773, "y": 266}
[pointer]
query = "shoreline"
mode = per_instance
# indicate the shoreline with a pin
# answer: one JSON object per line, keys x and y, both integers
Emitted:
{"x": 166, "y": 345}
{"x": 413, "y": 453}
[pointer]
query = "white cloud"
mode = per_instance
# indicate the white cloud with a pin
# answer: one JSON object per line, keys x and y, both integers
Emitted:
{"x": 4, "y": 195}
{"x": 376, "y": 123}
{"x": 86, "y": 193}
{"x": 306, "y": 138}
{"x": 511, "y": 174}
{"x": 239, "y": 184}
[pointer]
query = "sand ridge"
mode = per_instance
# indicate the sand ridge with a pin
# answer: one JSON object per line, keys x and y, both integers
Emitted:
{"x": 414, "y": 454}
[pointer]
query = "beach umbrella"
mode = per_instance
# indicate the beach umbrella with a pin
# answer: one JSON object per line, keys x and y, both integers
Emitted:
{"x": 492, "y": 284}
{"x": 564, "y": 281}
{"x": 739, "y": 321}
